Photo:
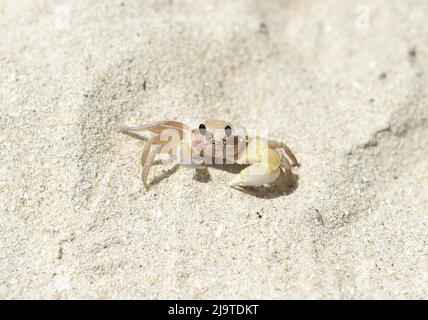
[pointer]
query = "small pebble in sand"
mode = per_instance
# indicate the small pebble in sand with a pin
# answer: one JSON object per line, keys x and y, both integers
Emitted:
{"x": 219, "y": 231}
{"x": 12, "y": 77}
{"x": 14, "y": 114}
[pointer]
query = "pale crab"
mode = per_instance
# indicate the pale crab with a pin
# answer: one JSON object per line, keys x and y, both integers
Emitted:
{"x": 219, "y": 142}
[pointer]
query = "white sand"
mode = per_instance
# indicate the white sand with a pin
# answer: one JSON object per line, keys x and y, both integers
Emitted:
{"x": 352, "y": 103}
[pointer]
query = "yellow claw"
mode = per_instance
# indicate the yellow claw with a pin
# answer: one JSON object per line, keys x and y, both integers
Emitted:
{"x": 253, "y": 152}
{"x": 258, "y": 151}
{"x": 274, "y": 160}
{"x": 265, "y": 165}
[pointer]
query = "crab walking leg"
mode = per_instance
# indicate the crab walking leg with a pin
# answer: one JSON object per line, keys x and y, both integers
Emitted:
{"x": 279, "y": 145}
{"x": 289, "y": 177}
{"x": 157, "y": 139}
{"x": 275, "y": 145}
{"x": 146, "y": 150}
{"x": 156, "y": 127}
{"x": 147, "y": 162}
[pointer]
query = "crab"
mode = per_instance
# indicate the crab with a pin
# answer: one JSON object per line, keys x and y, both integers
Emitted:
{"x": 220, "y": 142}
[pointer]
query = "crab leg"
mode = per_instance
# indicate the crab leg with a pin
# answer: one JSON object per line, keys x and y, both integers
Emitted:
{"x": 289, "y": 177}
{"x": 146, "y": 165}
{"x": 280, "y": 145}
{"x": 147, "y": 159}
{"x": 156, "y": 127}
{"x": 152, "y": 146}
{"x": 146, "y": 151}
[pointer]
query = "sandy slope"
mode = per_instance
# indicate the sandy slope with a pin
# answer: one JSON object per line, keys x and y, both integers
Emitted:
{"x": 352, "y": 103}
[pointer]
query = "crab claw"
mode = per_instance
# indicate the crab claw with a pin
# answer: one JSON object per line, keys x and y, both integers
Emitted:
{"x": 265, "y": 165}
{"x": 253, "y": 152}
{"x": 254, "y": 175}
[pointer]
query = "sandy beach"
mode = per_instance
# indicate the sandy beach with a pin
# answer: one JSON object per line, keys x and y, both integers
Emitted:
{"x": 343, "y": 83}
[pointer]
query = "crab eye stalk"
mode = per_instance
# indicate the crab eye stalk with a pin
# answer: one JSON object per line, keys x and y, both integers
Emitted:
{"x": 202, "y": 129}
{"x": 228, "y": 131}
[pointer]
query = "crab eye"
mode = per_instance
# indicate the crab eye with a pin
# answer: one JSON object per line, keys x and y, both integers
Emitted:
{"x": 228, "y": 131}
{"x": 202, "y": 129}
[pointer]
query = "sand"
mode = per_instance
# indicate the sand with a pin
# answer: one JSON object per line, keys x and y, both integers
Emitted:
{"x": 347, "y": 94}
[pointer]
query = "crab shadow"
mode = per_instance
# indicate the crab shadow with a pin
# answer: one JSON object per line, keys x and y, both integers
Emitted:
{"x": 274, "y": 190}
{"x": 271, "y": 191}
{"x": 164, "y": 175}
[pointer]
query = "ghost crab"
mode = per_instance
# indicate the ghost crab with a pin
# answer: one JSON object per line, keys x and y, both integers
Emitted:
{"x": 219, "y": 142}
